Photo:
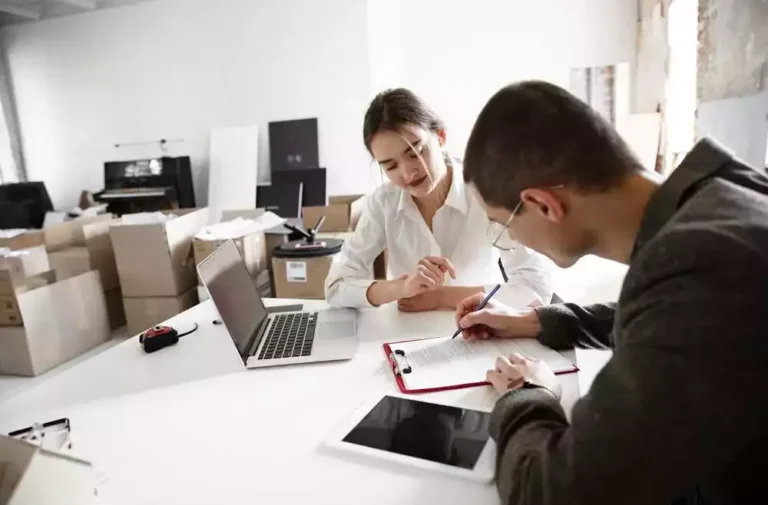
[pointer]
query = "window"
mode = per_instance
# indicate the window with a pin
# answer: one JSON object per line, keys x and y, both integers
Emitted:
{"x": 596, "y": 87}
{"x": 680, "y": 93}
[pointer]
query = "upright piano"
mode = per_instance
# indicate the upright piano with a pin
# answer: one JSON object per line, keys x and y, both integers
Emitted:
{"x": 147, "y": 185}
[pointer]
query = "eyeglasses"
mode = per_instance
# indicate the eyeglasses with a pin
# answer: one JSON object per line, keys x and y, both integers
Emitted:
{"x": 500, "y": 235}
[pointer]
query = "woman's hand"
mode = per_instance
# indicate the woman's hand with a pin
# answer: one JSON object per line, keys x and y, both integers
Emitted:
{"x": 430, "y": 274}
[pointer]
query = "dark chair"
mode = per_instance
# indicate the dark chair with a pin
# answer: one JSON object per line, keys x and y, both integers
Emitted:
{"x": 24, "y": 205}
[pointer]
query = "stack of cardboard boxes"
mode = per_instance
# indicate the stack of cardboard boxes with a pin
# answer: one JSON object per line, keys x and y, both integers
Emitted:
{"x": 82, "y": 245}
{"x": 21, "y": 239}
{"x": 155, "y": 265}
{"x": 44, "y": 322}
{"x": 250, "y": 239}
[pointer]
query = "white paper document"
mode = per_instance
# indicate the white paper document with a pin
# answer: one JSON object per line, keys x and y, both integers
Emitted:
{"x": 240, "y": 227}
{"x": 445, "y": 362}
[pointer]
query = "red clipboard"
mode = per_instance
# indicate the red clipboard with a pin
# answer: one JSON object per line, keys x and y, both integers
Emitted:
{"x": 392, "y": 360}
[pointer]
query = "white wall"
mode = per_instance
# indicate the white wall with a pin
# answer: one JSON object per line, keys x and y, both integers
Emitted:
{"x": 176, "y": 69}
{"x": 456, "y": 55}
{"x": 740, "y": 124}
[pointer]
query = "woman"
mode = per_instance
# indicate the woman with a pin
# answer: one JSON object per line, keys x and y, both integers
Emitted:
{"x": 436, "y": 234}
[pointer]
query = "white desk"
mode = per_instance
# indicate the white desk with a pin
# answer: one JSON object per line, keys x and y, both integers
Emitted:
{"x": 161, "y": 434}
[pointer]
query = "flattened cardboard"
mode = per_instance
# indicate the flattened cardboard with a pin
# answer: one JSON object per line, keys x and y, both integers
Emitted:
{"x": 61, "y": 321}
{"x": 143, "y": 313}
{"x": 157, "y": 260}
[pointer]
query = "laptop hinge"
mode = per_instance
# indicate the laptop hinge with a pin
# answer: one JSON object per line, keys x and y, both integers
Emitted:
{"x": 253, "y": 344}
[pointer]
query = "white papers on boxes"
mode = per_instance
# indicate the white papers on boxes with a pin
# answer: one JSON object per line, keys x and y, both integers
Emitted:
{"x": 146, "y": 218}
{"x": 248, "y": 235}
{"x": 239, "y": 227}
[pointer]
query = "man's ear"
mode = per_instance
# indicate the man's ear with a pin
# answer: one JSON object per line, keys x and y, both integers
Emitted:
{"x": 545, "y": 202}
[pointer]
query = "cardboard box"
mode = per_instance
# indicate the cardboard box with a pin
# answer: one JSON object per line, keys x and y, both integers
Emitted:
{"x": 24, "y": 239}
{"x": 252, "y": 248}
{"x": 61, "y": 320}
{"x": 263, "y": 282}
{"x": 156, "y": 259}
{"x": 70, "y": 262}
{"x": 341, "y": 214}
{"x": 23, "y": 263}
{"x": 98, "y": 241}
{"x": 31, "y": 474}
{"x": 115, "y": 310}
{"x": 272, "y": 237}
{"x": 97, "y": 254}
{"x": 143, "y": 313}
{"x": 10, "y": 313}
{"x": 301, "y": 277}
{"x": 272, "y": 240}
{"x": 70, "y": 233}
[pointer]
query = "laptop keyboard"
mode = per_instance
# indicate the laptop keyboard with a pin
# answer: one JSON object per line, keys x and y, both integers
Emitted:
{"x": 290, "y": 336}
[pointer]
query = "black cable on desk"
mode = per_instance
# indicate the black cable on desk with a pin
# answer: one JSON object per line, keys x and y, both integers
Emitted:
{"x": 190, "y": 331}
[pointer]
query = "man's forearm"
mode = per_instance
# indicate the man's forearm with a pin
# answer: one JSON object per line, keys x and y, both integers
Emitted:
{"x": 567, "y": 325}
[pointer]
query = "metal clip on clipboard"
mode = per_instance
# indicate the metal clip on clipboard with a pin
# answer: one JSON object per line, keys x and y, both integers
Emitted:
{"x": 400, "y": 362}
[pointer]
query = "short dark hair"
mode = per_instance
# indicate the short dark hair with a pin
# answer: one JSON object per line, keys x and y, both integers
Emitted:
{"x": 394, "y": 108}
{"x": 535, "y": 134}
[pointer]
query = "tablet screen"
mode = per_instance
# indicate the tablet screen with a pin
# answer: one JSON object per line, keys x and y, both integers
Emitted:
{"x": 439, "y": 433}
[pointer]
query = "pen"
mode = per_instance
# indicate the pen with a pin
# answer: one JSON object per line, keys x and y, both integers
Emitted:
{"x": 479, "y": 307}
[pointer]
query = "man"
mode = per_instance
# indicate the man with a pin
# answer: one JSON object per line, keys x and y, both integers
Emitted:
{"x": 680, "y": 412}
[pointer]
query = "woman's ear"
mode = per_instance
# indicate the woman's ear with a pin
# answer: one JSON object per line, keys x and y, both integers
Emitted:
{"x": 545, "y": 203}
{"x": 441, "y": 137}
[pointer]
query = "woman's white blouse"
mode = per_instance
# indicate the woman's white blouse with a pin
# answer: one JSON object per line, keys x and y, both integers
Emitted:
{"x": 391, "y": 221}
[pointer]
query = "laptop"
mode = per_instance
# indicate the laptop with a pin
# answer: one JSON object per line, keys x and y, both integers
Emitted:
{"x": 282, "y": 338}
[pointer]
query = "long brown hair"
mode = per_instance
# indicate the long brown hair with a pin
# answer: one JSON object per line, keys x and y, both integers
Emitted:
{"x": 392, "y": 109}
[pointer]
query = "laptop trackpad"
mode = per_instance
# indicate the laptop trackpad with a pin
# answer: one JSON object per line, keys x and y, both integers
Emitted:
{"x": 337, "y": 329}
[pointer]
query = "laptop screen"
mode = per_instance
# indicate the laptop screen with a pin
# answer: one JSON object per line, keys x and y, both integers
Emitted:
{"x": 234, "y": 293}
